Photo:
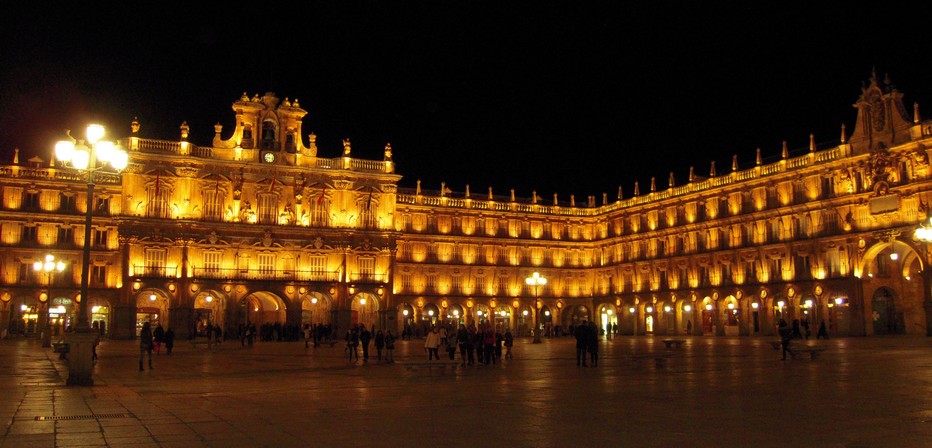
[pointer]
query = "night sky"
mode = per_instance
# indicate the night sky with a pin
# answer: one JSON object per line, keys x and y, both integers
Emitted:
{"x": 574, "y": 98}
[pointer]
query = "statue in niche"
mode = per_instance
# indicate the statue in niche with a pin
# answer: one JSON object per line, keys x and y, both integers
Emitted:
{"x": 287, "y": 215}
{"x": 881, "y": 169}
{"x": 246, "y": 213}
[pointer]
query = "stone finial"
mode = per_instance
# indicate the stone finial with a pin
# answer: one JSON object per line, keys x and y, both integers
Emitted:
{"x": 346, "y": 147}
{"x": 134, "y": 126}
{"x": 637, "y": 189}
{"x": 672, "y": 182}
{"x": 443, "y": 189}
{"x": 786, "y": 152}
{"x": 52, "y": 160}
{"x": 619, "y": 192}
{"x": 692, "y": 176}
{"x": 555, "y": 201}
{"x": 512, "y": 195}
{"x": 734, "y": 162}
{"x": 572, "y": 200}
{"x": 245, "y": 97}
{"x": 490, "y": 194}
{"x": 296, "y": 103}
{"x": 287, "y": 102}
{"x": 843, "y": 137}
{"x": 534, "y": 197}
{"x": 916, "y": 113}
{"x": 218, "y": 128}
{"x": 388, "y": 152}
{"x": 811, "y": 142}
{"x": 15, "y": 156}
{"x": 712, "y": 170}
{"x": 417, "y": 190}
{"x": 653, "y": 184}
{"x": 467, "y": 190}
{"x": 604, "y": 198}
{"x": 757, "y": 160}
{"x": 185, "y": 129}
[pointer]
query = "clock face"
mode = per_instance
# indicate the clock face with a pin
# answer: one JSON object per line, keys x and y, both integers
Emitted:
{"x": 268, "y": 157}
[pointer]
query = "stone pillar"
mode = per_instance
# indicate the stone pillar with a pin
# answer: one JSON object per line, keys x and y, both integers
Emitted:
{"x": 717, "y": 320}
{"x": 5, "y": 319}
{"x": 340, "y": 320}
{"x": 182, "y": 321}
{"x": 123, "y": 322}
{"x": 80, "y": 358}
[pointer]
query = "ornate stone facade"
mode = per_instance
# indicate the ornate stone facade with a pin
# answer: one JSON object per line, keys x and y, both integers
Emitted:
{"x": 260, "y": 228}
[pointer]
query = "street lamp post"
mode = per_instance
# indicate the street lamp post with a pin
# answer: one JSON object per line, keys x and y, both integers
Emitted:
{"x": 49, "y": 266}
{"x": 536, "y": 280}
{"x": 84, "y": 156}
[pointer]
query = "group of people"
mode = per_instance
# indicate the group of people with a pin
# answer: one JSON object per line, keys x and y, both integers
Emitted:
{"x": 486, "y": 344}
{"x": 587, "y": 344}
{"x": 359, "y": 335}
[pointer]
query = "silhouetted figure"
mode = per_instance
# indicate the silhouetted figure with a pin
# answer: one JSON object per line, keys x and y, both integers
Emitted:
{"x": 786, "y": 335}
{"x": 823, "y": 333}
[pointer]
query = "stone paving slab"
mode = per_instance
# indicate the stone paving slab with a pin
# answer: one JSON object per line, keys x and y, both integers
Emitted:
{"x": 712, "y": 392}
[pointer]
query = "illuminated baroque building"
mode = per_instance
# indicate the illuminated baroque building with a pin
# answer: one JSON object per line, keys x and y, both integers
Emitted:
{"x": 258, "y": 228}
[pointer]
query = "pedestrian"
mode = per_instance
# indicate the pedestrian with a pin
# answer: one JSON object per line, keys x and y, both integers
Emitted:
{"x": 169, "y": 340}
{"x": 593, "y": 345}
{"x": 806, "y": 330}
{"x": 488, "y": 345}
{"x": 365, "y": 337}
{"x": 389, "y": 347}
{"x": 307, "y": 336}
{"x": 786, "y": 334}
{"x": 499, "y": 341}
{"x": 822, "y": 333}
{"x": 470, "y": 344}
{"x": 432, "y": 344}
{"x": 218, "y": 335}
{"x": 145, "y": 345}
{"x": 582, "y": 343}
{"x": 509, "y": 342}
{"x": 158, "y": 334}
{"x": 96, "y": 330}
{"x": 462, "y": 339}
{"x": 477, "y": 344}
{"x": 379, "y": 344}
{"x": 796, "y": 333}
{"x": 451, "y": 347}
{"x": 352, "y": 341}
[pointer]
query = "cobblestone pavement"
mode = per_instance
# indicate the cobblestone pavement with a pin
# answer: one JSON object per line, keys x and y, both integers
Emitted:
{"x": 712, "y": 392}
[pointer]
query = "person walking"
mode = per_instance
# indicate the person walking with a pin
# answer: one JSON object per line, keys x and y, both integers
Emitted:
{"x": 593, "y": 345}
{"x": 509, "y": 342}
{"x": 470, "y": 344}
{"x": 307, "y": 336}
{"x": 158, "y": 335}
{"x": 169, "y": 340}
{"x": 379, "y": 344}
{"x": 389, "y": 347}
{"x": 488, "y": 345}
{"x": 582, "y": 343}
{"x": 432, "y": 344}
{"x": 822, "y": 333}
{"x": 365, "y": 337}
{"x": 462, "y": 338}
{"x": 786, "y": 335}
{"x": 145, "y": 345}
{"x": 352, "y": 341}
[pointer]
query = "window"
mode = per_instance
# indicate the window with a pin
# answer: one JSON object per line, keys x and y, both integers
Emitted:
{"x": 30, "y": 234}
{"x": 268, "y": 209}
{"x": 268, "y": 135}
{"x": 66, "y": 204}
{"x": 157, "y": 201}
{"x": 266, "y": 263}
{"x": 320, "y": 216}
{"x": 212, "y": 261}
{"x": 102, "y": 206}
{"x": 100, "y": 238}
{"x": 318, "y": 264}
{"x": 31, "y": 200}
{"x": 99, "y": 275}
{"x": 155, "y": 261}
{"x": 65, "y": 235}
{"x": 213, "y": 207}
{"x": 25, "y": 272}
{"x": 366, "y": 268}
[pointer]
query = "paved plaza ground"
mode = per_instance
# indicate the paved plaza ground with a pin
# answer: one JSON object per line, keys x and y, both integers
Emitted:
{"x": 712, "y": 392}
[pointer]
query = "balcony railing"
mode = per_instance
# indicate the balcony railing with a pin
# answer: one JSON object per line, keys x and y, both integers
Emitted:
{"x": 367, "y": 277}
{"x": 266, "y": 274}
{"x": 143, "y": 271}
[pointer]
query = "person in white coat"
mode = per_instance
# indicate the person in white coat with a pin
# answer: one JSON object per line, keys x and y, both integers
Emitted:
{"x": 432, "y": 344}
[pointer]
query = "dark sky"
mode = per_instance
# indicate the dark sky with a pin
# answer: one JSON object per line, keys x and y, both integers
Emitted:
{"x": 570, "y": 97}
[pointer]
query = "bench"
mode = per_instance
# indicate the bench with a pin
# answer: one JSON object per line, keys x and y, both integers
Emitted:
{"x": 674, "y": 342}
{"x": 812, "y": 351}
